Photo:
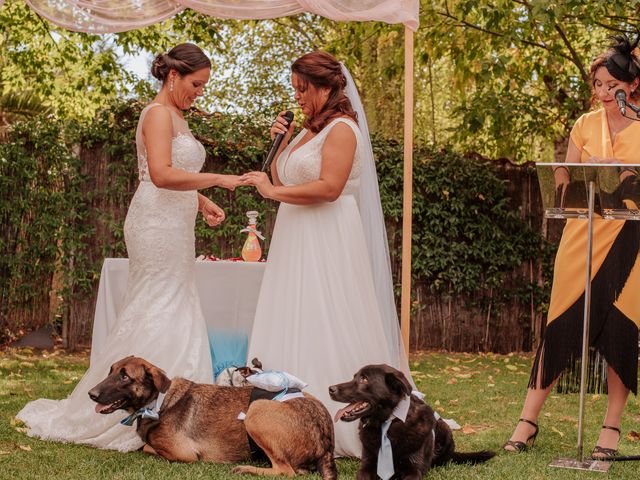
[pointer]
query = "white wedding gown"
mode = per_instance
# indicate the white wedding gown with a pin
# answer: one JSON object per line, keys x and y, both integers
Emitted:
{"x": 317, "y": 315}
{"x": 161, "y": 320}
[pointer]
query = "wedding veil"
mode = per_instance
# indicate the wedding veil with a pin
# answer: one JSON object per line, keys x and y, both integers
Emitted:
{"x": 368, "y": 199}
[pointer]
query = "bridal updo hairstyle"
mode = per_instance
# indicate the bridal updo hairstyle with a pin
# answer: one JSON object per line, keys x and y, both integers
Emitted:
{"x": 185, "y": 58}
{"x": 322, "y": 70}
{"x": 622, "y": 61}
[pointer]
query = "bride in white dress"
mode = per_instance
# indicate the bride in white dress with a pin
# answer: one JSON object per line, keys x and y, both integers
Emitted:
{"x": 326, "y": 305}
{"x": 161, "y": 319}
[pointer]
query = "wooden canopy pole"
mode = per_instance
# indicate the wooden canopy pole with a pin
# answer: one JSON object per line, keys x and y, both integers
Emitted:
{"x": 405, "y": 309}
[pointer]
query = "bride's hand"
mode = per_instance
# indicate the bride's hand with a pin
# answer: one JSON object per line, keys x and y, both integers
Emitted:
{"x": 280, "y": 126}
{"x": 212, "y": 214}
{"x": 260, "y": 180}
{"x": 229, "y": 182}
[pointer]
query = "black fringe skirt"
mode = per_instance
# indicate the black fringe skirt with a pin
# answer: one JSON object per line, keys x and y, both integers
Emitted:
{"x": 611, "y": 333}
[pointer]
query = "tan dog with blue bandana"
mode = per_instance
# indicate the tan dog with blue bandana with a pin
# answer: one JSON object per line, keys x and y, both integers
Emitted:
{"x": 200, "y": 421}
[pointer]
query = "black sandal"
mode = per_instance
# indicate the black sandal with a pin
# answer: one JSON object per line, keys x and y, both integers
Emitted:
{"x": 602, "y": 453}
{"x": 519, "y": 446}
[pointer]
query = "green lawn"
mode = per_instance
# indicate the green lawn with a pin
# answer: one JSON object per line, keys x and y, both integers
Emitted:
{"x": 481, "y": 392}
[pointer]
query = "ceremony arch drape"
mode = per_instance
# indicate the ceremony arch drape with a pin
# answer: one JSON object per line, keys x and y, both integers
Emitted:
{"x": 111, "y": 16}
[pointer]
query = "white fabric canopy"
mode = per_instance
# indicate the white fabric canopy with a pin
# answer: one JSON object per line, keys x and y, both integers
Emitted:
{"x": 109, "y": 16}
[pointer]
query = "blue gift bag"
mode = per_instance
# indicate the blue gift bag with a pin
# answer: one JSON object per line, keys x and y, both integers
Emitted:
{"x": 228, "y": 349}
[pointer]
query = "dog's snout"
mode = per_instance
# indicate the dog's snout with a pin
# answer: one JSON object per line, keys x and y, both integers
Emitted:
{"x": 333, "y": 389}
{"x": 94, "y": 394}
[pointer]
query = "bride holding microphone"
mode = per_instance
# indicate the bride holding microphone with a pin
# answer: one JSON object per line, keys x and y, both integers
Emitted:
{"x": 326, "y": 307}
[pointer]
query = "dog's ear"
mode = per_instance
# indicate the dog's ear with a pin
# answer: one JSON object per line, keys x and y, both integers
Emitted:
{"x": 160, "y": 379}
{"x": 397, "y": 382}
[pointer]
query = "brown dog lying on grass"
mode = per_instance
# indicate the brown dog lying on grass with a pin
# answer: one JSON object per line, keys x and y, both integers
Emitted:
{"x": 418, "y": 443}
{"x": 200, "y": 421}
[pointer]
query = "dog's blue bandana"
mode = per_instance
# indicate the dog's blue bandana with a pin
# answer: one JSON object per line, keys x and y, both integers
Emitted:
{"x": 385, "y": 454}
{"x": 148, "y": 412}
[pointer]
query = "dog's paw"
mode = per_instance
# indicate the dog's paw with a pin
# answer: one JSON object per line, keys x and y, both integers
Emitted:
{"x": 243, "y": 469}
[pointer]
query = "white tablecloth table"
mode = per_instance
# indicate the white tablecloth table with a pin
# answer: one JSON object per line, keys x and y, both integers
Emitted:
{"x": 228, "y": 296}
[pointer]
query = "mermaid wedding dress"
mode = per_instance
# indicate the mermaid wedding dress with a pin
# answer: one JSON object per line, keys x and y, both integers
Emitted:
{"x": 160, "y": 320}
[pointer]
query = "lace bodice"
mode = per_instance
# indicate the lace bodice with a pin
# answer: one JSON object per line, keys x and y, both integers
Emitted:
{"x": 186, "y": 152}
{"x": 304, "y": 164}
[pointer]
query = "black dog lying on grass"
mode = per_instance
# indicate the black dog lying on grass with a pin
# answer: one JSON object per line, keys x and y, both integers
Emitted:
{"x": 418, "y": 443}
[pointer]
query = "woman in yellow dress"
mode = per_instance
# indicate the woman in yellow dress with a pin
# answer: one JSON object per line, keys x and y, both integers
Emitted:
{"x": 600, "y": 136}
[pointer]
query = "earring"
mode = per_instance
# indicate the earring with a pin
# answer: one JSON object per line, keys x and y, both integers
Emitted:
{"x": 171, "y": 85}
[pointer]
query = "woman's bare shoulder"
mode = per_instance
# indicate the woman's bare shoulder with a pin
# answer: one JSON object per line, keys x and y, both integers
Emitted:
{"x": 157, "y": 117}
{"x": 342, "y": 132}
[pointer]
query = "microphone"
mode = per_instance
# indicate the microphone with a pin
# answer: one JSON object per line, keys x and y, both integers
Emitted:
{"x": 288, "y": 116}
{"x": 621, "y": 100}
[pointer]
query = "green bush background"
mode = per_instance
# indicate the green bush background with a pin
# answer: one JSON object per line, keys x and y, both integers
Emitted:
{"x": 65, "y": 187}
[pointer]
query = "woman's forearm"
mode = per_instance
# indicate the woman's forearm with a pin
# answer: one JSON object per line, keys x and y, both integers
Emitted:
{"x": 175, "y": 179}
{"x": 202, "y": 201}
{"x": 318, "y": 191}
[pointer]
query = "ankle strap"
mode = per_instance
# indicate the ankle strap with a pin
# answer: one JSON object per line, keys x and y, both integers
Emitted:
{"x": 533, "y": 424}
{"x": 612, "y": 428}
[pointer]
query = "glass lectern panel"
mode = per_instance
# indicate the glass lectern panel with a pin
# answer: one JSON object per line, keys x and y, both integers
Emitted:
{"x": 564, "y": 188}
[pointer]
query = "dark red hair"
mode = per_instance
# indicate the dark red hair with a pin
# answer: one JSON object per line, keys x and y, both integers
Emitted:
{"x": 322, "y": 70}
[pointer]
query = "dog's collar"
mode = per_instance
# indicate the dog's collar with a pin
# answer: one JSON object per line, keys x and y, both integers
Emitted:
{"x": 149, "y": 412}
{"x": 402, "y": 409}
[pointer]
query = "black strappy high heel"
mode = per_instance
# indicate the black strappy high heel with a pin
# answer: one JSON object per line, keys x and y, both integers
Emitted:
{"x": 519, "y": 446}
{"x": 602, "y": 453}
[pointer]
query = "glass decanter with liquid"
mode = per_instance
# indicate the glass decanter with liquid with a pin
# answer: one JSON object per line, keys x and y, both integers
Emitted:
{"x": 251, "y": 250}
